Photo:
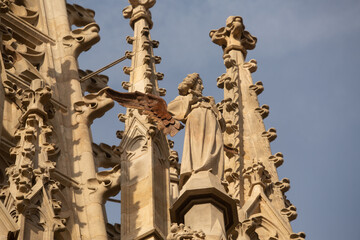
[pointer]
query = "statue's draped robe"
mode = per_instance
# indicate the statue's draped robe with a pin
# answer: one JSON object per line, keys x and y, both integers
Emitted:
{"x": 203, "y": 143}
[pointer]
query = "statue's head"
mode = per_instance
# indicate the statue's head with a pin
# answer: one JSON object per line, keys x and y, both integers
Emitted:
{"x": 191, "y": 82}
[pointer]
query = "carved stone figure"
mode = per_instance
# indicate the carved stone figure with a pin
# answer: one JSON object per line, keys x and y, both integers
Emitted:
{"x": 203, "y": 143}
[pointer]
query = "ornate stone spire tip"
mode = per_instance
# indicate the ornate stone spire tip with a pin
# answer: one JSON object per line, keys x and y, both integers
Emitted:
{"x": 233, "y": 36}
{"x": 139, "y": 9}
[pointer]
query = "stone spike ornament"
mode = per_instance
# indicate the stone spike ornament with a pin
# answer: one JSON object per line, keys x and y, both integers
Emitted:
{"x": 53, "y": 184}
{"x": 251, "y": 172}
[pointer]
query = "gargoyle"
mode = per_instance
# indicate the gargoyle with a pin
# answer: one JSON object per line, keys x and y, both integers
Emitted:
{"x": 81, "y": 39}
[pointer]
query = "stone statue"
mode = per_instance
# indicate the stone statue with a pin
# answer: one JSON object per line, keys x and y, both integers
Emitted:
{"x": 203, "y": 144}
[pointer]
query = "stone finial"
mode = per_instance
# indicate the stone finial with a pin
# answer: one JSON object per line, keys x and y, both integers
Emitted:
{"x": 139, "y": 9}
{"x": 233, "y": 36}
{"x": 184, "y": 232}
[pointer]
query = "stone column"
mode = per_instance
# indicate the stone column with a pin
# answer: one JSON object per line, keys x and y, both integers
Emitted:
{"x": 77, "y": 158}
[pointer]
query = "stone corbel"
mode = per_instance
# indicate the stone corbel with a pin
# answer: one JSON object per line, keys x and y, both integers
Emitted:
{"x": 184, "y": 232}
{"x": 105, "y": 185}
{"x": 93, "y": 84}
{"x": 79, "y": 16}
{"x": 257, "y": 175}
{"x": 258, "y": 87}
{"x": 297, "y": 236}
{"x": 139, "y": 9}
{"x": 270, "y": 134}
{"x": 81, "y": 39}
{"x": 263, "y": 111}
{"x": 233, "y": 36}
{"x": 93, "y": 106}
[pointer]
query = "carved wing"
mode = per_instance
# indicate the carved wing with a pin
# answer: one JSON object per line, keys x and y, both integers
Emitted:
{"x": 153, "y": 106}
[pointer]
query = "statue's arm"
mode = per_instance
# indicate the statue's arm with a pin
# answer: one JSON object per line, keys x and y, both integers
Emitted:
{"x": 180, "y": 107}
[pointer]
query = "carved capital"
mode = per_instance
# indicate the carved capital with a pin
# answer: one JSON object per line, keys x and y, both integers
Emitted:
{"x": 139, "y": 9}
{"x": 233, "y": 36}
{"x": 184, "y": 232}
{"x": 93, "y": 106}
{"x": 105, "y": 185}
{"x": 81, "y": 39}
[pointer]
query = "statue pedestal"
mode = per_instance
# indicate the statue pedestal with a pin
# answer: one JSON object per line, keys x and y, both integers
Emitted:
{"x": 204, "y": 205}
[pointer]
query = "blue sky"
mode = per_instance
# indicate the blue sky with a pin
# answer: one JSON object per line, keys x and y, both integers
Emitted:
{"x": 308, "y": 60}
